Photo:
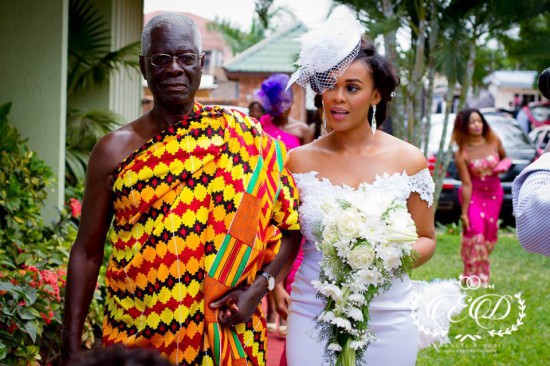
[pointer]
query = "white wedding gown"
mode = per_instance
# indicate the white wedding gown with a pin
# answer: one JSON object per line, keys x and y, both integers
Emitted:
{"x": 397, "y": 335}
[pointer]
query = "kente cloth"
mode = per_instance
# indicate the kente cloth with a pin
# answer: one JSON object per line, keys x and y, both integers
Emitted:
{"x": 198, "y": 210}
{"x": 479, "y": 240}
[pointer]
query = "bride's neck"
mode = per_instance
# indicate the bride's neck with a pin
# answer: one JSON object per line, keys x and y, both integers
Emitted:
{"x": 353, "y": 141}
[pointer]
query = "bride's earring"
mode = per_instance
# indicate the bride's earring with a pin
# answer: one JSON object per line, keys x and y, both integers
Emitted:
{"x": 373, "y": 122}
{"x": 324, "y": 117}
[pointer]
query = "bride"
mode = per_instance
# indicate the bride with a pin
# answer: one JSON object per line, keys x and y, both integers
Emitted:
{"x": 355, "y": 84}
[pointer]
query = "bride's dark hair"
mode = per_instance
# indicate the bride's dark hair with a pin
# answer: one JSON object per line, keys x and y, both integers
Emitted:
{"x": 384, "y": 76}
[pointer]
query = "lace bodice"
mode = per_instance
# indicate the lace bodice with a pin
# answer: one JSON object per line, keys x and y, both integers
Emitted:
{"x": 314, "y": 191}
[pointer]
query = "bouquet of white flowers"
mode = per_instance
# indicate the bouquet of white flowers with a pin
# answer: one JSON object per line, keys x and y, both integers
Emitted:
{"x": 366, "y": 241}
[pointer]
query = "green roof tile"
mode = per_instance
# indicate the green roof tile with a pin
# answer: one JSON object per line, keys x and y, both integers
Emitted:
{"x": 277, "y": 53}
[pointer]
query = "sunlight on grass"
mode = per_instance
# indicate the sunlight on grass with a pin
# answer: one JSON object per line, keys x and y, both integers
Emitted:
{"x": 513, "y": 270}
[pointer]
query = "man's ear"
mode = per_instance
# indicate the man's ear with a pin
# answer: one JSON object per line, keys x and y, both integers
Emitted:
{"x": 142, "y": 66}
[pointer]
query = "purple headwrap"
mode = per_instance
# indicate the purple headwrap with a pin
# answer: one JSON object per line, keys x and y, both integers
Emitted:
{"x": 273, "y": 94}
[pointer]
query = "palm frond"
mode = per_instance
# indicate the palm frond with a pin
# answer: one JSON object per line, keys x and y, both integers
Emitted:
{"x": 90, "y": 60}
{"x": 75, "y": 165}
{"x": 85, "y": 128}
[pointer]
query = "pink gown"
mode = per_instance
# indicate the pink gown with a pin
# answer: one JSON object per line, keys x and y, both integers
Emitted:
{"x": 480, "y": 239}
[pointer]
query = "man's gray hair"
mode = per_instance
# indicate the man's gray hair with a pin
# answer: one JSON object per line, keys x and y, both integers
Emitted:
{"x": 176, "y": 19}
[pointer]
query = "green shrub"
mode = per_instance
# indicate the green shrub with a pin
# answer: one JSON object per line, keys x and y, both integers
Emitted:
{"x": 33, "y": 258}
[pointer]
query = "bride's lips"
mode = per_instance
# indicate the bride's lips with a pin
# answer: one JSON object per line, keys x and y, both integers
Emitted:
{"x": 339, "y": 113}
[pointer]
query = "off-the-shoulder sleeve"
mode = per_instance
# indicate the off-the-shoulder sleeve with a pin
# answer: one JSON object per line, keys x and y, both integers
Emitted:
{"x": 423, "y": 184}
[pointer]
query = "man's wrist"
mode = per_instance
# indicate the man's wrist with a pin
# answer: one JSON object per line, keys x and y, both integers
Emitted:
{"x": 269, "y": 279}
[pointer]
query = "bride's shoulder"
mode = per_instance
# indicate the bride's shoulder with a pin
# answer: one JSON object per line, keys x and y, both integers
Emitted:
{"x": 303, "y": 158}
{"x": 407, "y": 155}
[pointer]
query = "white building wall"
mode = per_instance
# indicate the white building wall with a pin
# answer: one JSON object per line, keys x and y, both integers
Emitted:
{"x": 125, "y": 86}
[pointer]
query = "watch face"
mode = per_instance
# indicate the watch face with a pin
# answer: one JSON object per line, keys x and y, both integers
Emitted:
{"x": 270, "y": 283}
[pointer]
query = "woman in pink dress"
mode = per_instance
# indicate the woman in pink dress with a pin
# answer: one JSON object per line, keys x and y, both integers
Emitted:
{"x": 479, "y": 160}
{"x": 276, "y": 122}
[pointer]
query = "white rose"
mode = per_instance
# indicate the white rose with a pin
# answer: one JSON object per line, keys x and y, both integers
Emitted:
{"x": 348, "y": 223}
{"x": 361, "y": 257}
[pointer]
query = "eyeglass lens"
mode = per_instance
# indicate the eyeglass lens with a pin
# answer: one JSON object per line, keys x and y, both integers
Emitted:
{"x": 185, "y": 59}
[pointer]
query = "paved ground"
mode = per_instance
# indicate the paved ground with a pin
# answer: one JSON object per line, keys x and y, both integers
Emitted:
{"x": 275, "y": 344}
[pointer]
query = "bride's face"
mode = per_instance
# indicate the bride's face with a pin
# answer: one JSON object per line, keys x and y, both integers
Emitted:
{"x": 347, "y": 103}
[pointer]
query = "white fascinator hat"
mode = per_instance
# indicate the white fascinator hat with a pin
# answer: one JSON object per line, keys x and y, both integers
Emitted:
{"x": 327, "y": 50}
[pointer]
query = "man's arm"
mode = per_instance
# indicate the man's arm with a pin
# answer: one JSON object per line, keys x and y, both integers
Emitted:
{"x": 87, "y": 251}
{"x": 532, "y": 207}
{"x": 238, "y": 305}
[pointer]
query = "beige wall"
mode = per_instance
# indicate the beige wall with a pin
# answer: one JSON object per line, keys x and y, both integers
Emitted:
{"x": 33, "y": 77}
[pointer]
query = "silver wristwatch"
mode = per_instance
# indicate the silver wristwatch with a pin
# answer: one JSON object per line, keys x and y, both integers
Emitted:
{"x": 269, "y": 278}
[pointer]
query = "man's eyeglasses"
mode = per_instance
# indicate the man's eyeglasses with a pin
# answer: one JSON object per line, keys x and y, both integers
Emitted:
{"x": 185, "y": 59}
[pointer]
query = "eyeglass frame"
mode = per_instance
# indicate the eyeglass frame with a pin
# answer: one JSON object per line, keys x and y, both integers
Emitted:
{"x": 198, "y": 57}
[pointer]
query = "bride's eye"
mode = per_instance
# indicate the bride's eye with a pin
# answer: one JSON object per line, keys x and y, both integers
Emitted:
{"x": 352, "y": 88}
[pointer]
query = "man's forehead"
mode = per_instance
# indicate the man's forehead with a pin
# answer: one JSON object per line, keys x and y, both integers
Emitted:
{"x": 171, "y": 35}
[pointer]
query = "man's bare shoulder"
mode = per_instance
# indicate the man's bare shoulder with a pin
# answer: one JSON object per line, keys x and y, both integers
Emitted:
{"x": 112, "y": 148}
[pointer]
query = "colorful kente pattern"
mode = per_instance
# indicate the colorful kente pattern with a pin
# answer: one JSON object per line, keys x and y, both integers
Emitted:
{"x": 198, "y": 210}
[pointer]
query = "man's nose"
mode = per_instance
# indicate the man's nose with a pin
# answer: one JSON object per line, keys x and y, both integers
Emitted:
{"x": 174, "y": 65}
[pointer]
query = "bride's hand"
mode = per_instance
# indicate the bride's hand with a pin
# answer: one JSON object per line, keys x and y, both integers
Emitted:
{"x": 281, "y": 300}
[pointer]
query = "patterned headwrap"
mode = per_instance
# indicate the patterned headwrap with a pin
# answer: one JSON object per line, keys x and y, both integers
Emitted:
{"x": 274, "y": 96}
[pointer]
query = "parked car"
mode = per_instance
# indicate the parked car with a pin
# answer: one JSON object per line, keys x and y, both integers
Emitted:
{"x": 519, "y": 149}
{"x": 538, "y": 113}
{"x": 540, "y": 137}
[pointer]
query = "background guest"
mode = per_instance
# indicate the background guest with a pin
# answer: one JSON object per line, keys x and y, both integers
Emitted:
{"x": 479, "y": 160}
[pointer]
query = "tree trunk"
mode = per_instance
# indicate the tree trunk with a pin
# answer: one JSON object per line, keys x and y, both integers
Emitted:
{"x": 443, "y": 154}
{"x": 414, "y": 88}
{"x": 434, "y": 33}
{"x": 390, "y": 47}
{"x": 467, "y": 80}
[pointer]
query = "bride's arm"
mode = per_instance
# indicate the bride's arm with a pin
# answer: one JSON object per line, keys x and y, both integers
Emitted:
{"x": 423, "y": 217}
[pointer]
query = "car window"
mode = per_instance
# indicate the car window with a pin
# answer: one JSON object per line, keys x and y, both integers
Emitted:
{"x": 511, "y": 135}
{"x": 512, "y": 138}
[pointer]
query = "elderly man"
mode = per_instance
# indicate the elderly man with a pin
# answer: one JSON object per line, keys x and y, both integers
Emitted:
{"x": 200, "y": 199}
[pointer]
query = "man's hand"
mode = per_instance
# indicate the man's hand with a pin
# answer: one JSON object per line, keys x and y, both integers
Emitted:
{"x": 238, "y": 305}
{"x": 281, "y": 300}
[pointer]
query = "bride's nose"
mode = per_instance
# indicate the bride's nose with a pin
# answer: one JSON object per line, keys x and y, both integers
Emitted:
{"x": 338, "y": 95}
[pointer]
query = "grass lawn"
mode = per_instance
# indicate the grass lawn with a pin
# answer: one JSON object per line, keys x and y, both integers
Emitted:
{"x": 513, "y": 270}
